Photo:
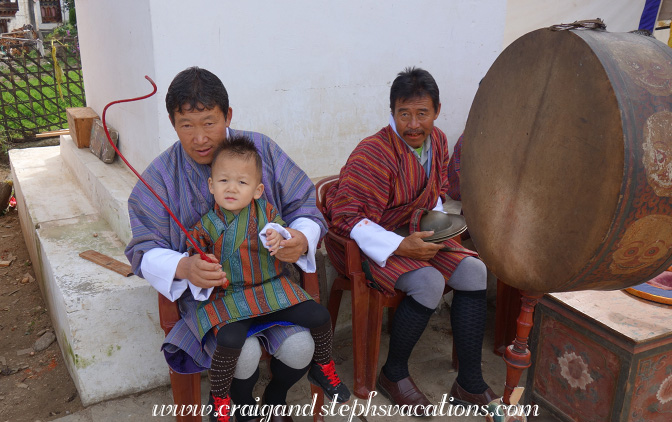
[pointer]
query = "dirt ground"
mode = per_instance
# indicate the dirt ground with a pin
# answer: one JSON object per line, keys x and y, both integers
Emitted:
{"x": 34, "y": 386}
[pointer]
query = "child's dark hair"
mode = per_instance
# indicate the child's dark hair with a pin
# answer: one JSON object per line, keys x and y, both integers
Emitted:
{"x": 238, "y": 146}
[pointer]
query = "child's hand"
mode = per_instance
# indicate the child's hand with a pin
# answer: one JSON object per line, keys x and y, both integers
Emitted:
{"x": 273, "y": 239}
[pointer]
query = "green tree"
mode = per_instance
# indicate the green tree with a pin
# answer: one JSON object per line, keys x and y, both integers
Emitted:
{"x": 70, "y": 7}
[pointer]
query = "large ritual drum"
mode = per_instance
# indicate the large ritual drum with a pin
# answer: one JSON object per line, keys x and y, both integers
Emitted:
{"x": 567, "y": 161}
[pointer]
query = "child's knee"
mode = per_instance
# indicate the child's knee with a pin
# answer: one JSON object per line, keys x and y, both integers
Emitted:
{"x": 232, "y": 336}
{"x": 297, "y": 350}
{"x": 321, "y": 315}
{"x": 248, "y": 361}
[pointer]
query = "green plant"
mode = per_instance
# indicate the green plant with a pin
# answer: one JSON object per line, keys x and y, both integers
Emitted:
{"x": 36, "y": 90}
{"x": 72, "y": 16}
{"x": 36, "y": 104}
{"x": 62, "y": 31}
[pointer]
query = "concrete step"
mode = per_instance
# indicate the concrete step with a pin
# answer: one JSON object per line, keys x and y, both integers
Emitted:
{"x": 107, "y": 186}
{"x": 107, "y": 325}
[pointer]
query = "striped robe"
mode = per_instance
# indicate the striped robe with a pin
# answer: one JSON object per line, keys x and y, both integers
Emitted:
{"x": 183, "y": 185}
{"x": 384, "y": 182}
{"x": 257, "y": 286}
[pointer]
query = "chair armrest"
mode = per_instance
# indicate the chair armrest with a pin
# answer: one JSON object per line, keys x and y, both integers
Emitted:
{"x": 310, "y": 284}
{"x": 338, "y": 238}
{"x": 169, "y": 313}
{"x": 353, "y": 259}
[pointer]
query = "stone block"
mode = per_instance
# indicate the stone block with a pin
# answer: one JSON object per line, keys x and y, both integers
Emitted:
{"x": 100, "y": 145}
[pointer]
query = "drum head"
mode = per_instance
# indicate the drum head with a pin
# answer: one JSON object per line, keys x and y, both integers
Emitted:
{"x": 542, "y": 161}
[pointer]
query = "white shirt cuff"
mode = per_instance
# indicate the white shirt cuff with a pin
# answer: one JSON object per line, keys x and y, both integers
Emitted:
{"x": 312, "y": 231}
{"x": 452, "y": 206}
{"x": 376, "y": 242}
{"x": 439, "y": 206}
{"x": 158, "y": 267}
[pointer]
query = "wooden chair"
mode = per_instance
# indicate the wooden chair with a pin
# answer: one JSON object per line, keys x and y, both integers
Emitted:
{"x": 367, "y": 304}
{"x": 187, "y": 387}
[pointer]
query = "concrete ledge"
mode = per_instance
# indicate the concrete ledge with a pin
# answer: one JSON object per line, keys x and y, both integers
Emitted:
{"x": 107, "y": 325}
{"x": 106, "y": 185}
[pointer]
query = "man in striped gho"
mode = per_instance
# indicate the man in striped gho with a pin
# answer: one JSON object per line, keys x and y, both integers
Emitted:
{"x": 389, "y": 176}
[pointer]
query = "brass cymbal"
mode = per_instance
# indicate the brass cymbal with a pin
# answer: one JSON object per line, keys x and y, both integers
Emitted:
{"x": 444, "y": 226}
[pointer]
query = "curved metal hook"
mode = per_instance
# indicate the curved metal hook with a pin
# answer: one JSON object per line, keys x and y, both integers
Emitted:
{"x": 109, "y": 138}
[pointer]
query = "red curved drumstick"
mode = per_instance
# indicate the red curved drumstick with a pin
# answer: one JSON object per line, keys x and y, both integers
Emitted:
{"x": 191, "y": 240}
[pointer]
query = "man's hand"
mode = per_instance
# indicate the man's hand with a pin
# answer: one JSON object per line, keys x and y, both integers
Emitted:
{"x": 202, "y": 273}
{"x": 273, "y": 239}
{"x": 414, "y": 247}
{"x": 293, "y": 248}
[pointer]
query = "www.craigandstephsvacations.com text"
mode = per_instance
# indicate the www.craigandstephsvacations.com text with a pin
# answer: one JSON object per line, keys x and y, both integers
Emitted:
{"x": 444, "y": 407}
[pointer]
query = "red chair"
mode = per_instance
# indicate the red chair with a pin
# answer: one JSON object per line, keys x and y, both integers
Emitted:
{"x": 187, "y": 387}
{"x": 367, "y": 303}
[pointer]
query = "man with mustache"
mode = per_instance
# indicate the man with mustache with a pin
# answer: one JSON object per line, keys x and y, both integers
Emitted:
{"x": 388, "y": 177}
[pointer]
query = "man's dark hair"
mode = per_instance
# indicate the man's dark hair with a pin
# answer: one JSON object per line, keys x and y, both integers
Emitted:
{"x": 196, "y": 89}
{"x": 412, "y": 83}
{"x": 241, "y": 147}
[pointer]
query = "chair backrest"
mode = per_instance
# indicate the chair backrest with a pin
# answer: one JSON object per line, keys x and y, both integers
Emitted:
{"x": 321, "y": 193}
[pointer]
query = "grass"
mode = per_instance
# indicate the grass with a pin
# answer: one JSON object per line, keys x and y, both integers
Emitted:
{"x": 30, "y": 101}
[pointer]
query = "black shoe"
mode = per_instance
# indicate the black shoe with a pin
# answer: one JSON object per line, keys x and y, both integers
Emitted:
{"x": 325, "y": 377}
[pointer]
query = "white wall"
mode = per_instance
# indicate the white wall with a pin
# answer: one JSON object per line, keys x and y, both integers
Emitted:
{"x": 117, "y": 49}
{"x": 312, "y": 74}
{"x": 662, "y": 35}
{"x": 21, "y": 17}
{"x": 523, "y": 16}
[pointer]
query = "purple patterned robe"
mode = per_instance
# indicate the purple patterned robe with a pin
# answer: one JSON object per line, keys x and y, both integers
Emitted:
{"x": 183, "y": 185}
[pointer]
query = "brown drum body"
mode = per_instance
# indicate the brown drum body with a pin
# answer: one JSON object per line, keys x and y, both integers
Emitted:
{"x": 567, "y": 161}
